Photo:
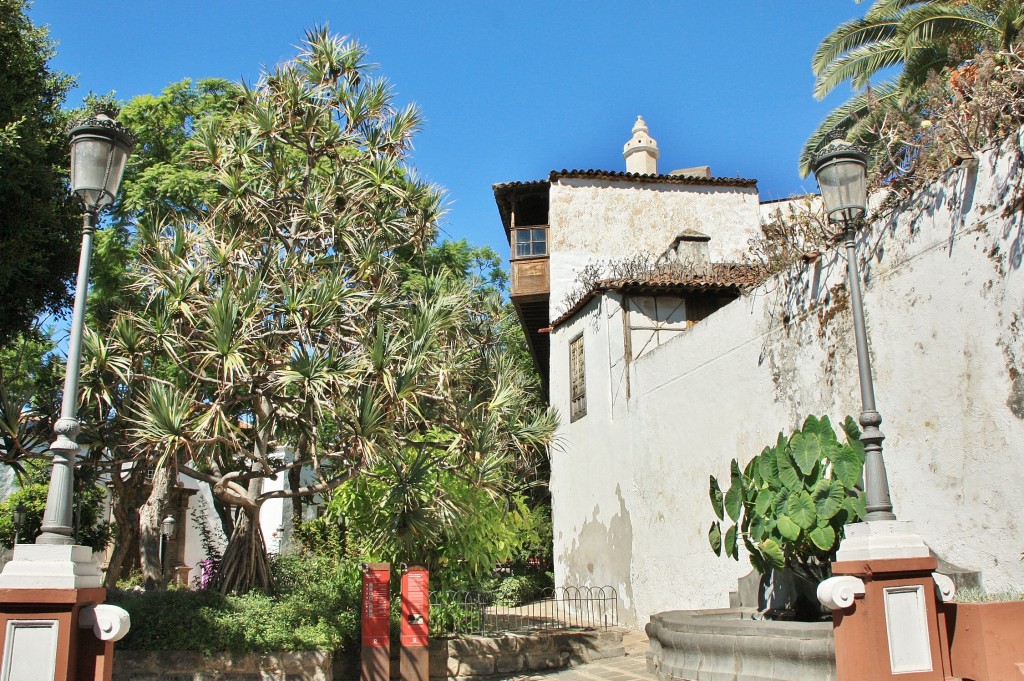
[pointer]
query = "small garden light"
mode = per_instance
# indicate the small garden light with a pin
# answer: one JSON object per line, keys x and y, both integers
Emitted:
{"x": 841, "y": 171}
{"x": 20, "y": 515}
{"x": 168, "y": 526}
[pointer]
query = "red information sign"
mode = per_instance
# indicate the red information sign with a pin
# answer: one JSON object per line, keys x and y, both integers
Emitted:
{"x": 376, "y": 604}
{"x": 415, "y": 606}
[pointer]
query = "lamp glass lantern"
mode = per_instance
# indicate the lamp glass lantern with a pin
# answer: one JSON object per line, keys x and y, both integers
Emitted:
{"x": 168, "y": 526}
{"x": 99, "y": 152}
{"x": 841, "y": 171}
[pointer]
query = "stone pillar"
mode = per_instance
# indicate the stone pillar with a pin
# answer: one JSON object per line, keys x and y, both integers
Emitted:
{"x": 884, "y": 601}
{"x": 50, "y": 594}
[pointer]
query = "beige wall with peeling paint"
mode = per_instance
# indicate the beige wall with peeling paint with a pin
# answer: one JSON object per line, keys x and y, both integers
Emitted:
{"x": 591, "y": 220}
{"x": 944, "y": 299}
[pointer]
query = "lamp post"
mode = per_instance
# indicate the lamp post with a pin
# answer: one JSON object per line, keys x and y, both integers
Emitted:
{"x": 99, "y": 151}
{"x": 841, "y": 171}
{"x": 167, "y": 531}
{"x": 20, "y": 515}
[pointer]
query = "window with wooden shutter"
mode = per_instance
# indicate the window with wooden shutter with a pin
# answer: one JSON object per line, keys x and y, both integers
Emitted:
{"x": 577, "y": 379}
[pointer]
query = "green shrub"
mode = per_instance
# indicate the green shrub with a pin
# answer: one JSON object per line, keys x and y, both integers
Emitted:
{"x": 92, "y": 530}
{"x": 518, "y": 589}
{"x": 316, "y": 607}
{"x": 791, "y": 502}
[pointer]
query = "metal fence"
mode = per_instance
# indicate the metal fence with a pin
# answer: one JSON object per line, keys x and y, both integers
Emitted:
{"x": 471, "y": 612}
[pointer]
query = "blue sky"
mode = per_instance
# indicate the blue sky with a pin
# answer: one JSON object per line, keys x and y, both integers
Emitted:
{"x": 510, "y": 90}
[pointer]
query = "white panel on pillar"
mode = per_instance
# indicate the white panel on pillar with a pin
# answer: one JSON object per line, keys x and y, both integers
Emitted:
{"x": 906, "y": 624}
{"x": 30, "y": 651}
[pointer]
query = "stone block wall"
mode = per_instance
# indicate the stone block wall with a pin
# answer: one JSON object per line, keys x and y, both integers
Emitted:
{"x": 476, "y": 656}
{"x": 457, "y": 658}
{"x": 176, "y": 665}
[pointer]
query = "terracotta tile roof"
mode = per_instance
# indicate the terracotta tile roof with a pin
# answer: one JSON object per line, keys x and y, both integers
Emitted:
{"x": 652, "y": 179}
{"x": 501, "y": 187}
{"x": 724, "y": 278}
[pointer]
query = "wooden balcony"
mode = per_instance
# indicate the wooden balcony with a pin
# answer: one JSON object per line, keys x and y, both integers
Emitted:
{"x": 530, "y": 278}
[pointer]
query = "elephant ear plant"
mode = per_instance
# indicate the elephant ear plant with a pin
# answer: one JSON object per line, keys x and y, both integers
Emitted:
{"x": 790, "y": 503}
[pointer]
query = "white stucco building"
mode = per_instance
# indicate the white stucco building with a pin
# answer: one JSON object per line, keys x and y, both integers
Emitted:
{"x": 661, "y": 380}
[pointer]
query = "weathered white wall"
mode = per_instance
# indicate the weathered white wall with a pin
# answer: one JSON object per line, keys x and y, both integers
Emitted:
{"x": 590, "y": 220}
{"x": 944, "y": 298}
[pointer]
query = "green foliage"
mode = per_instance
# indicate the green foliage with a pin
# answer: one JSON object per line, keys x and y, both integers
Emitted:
{"x": 30, "y": 378}
{"x": 88, "y": 498}
{"x": 306, "y": 303}
{"x": 315, "y": 607}
{"x": 449, "y": 615}
{"x": 791, "y": 502}
{"x": 518, "y": 589}
{"x": 39, "y": 226}
{"x": 320, "y": 537}
{"x": 410, "y": 512}
{"x": 911, "y": 39}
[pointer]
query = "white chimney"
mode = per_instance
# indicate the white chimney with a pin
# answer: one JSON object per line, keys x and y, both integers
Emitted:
{"x": 641, "y": 151}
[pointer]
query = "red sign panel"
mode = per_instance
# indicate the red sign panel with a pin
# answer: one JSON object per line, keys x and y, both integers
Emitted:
{"x": 376, "y": 604}
{"x": 415, "y": 607}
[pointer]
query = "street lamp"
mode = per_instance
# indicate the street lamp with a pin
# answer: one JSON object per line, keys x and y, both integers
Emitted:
{"x": 20, "y": 516}
{"x": 841, "y": 171}
{"x": 167, "y": 527}
{"x": 99, "y": 151}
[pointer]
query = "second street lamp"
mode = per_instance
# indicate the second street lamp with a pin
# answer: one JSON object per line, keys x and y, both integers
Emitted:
{"x": 99, "y": 151}
{"x": 841, "y": 171}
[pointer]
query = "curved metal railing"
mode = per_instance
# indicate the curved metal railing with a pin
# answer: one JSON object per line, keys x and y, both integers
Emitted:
{"x": 571, "y": 607}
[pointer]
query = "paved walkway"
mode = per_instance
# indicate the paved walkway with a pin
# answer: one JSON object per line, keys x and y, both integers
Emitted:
{"x": 632, "y": 667}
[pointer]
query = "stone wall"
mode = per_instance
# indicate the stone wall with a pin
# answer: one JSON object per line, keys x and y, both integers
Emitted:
{"x": 475, "y": 656}
{"x": 457, "y": 658}
{"x": 176, "y": 665}
{"x": 944, "y": 301}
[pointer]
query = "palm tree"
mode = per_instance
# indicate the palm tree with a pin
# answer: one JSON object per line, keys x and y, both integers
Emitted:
{"x": 917, "y": 37}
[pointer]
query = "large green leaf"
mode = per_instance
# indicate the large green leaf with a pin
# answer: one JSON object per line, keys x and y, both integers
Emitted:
{"x": 847, "y": 466}
{"x": 821, "y": 427}
{"x": 756, "y": 559}
{"x": 763, "y": 502}
{"x": 717, "y": 502}
{"x": 734, "y": 470}
{"x": 801, "y": 509}
{"x": 771, "y": 550}
{"x": 757, "y": 529}
{"x": 715, "y": 538}
{"x": 823, "y": 537}
{"x": 780, "y": 501}
{"x": 853, "y": 435}
{"x": 767, "y": 470}
{"x": 828, "y": 498}
{"x": 856, "y": 507}
{"x": 806, "y": 449}
{"x": 730, "y": 543}
{"x": 734, "y": 499}
{"x": 787, "y": 528}
{"x": 788, "y": 474}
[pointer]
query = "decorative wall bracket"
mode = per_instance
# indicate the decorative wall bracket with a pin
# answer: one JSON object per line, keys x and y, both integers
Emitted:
{"x": 945, "y": 589}
{"x": 108, "y": 622}
{"x": 837, "y": 593}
